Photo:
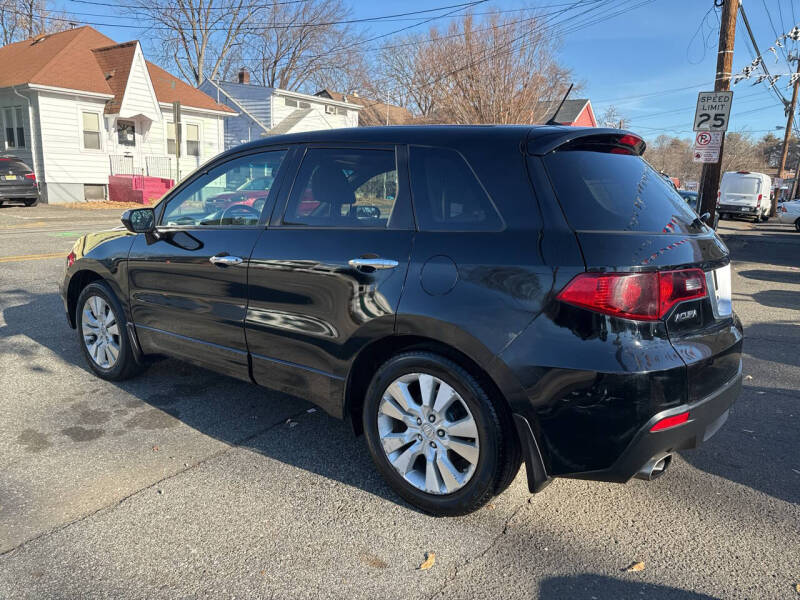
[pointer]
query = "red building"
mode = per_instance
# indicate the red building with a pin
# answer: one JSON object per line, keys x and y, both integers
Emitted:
{"x": 577, "y": 113}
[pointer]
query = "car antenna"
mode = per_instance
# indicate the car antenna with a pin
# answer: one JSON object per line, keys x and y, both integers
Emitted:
{"x": 552, "y": 120}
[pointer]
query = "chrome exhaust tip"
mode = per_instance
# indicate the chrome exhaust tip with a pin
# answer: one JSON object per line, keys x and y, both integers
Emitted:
{"x": 655, "y": 467}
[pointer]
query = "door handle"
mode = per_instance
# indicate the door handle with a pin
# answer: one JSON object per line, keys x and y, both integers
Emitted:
{"x": 375, "y": 263}
{"x": 225, "y": 260}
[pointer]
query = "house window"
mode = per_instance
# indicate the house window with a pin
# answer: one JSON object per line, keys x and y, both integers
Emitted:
{"x": 171, "y": 145}
{"x": 330, "y": 110}
{"x": 11, "y": 140}
{"x": 305, "y": 105}
{"x": 290, "y": 102}
{"x": 126, "y": 133}
{"x": 14, "y": 124}
{"x": 91, "y": 131}
{"x": 341, "y": 111}
{"x": 192, "y": 139}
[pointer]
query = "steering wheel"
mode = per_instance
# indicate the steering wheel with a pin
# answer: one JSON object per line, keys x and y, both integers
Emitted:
{"x": 241, "y": 207}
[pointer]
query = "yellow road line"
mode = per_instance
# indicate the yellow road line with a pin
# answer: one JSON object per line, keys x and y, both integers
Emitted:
{"x": 4, "y": 259}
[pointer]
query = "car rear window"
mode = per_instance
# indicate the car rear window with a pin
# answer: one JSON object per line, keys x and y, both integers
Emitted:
{"x": 14, "y": 165}
{"x": 601, "y": 191}
{"x": 741, "y": 185}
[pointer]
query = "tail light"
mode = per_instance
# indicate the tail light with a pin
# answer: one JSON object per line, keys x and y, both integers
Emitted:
{"x": 70, "y": 259}
{"x": 31, "y": 176}
{"x": 640, "y": 296}
{"x": 781, "y": 208}
{"x": 669, "y": 422}
{"x": 758, "y": 203}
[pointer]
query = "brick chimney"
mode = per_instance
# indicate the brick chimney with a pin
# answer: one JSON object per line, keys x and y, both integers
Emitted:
{"x": 244, "y": 75}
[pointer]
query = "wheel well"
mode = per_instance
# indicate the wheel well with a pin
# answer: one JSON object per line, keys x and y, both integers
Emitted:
{"x": 79, "y": 281}
{"x": 377, "y": 353}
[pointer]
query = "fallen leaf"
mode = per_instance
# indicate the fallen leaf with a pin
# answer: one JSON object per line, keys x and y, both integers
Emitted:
{"x": 748, "y": 377}
{"x": 797, "y": 588}
{"x": 635, "y": 567}
{"x": 430, "y": 560}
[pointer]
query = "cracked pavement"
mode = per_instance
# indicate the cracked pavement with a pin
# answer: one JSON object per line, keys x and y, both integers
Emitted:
{"x": 182, "y": 483}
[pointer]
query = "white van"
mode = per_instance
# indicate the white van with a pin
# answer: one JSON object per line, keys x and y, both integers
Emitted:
{"x": 744, "y": 193}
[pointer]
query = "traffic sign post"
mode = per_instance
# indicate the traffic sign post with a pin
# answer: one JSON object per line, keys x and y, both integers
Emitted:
{"x": 713, "y": 111}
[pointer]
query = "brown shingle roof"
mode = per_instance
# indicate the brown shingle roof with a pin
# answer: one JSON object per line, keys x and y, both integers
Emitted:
{"x": 80, "y": 59}
{"x": 374, "y": 112}
{"x": 115, "y": 62}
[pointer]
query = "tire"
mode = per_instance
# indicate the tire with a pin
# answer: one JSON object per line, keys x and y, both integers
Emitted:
{"x": 32, "y": 202}
{"x": 492, "y": 447}
{"x": 797, "y": 225}
{"x": 98, "y": 299}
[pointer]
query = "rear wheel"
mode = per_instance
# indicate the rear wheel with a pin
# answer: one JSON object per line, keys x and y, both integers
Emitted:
{"x": 103, "y": 335}
{"x": 436, "y": 436}
{"x": 32, "y": 202}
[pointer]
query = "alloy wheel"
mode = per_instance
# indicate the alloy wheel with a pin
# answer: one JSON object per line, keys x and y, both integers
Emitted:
{"x": 428, "y": 433}
{"x": 101, "y": 334}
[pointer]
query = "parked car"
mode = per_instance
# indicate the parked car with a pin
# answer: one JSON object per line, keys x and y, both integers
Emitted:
{"x": 744, "y": 193}
{"x": 693, "y": 200}
{"x": 789, "y": 212}
{"x": 17, "y": 181}
{"x": 467, "y": 297}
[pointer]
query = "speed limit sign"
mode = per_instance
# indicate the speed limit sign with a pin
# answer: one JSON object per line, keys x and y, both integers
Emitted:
{"x": 713, "y": 110}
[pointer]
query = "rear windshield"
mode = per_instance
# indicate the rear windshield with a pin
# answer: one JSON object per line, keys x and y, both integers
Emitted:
{"x": 614, "y": 192}
{"x": 741, "y": 185}
{"x": 13, "y": 165}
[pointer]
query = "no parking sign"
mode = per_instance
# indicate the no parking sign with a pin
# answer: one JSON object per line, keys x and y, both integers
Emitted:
{"x": 707, "y": 145}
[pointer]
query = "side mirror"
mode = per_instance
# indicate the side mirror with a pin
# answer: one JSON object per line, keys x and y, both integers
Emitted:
{"x": 139, "y": 220}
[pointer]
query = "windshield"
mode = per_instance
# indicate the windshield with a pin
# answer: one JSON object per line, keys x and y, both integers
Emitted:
{"x": 741, "y": 185}
{"x": 612, "y": 192}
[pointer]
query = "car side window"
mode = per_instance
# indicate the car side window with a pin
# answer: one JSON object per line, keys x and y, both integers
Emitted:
{"x": 447, "y": 194}
{"x": 232, "y": 194}
{"x": 344, "y": 188}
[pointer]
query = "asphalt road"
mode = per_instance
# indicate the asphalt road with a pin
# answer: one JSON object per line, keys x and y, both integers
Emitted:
{"x": 183, "y": 483}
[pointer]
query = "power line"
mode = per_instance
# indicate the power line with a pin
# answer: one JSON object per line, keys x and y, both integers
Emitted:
{"x": 759, "y": 57}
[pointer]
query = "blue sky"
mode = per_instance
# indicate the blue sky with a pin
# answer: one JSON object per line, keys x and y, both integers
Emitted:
{"x": 649, "y": 61}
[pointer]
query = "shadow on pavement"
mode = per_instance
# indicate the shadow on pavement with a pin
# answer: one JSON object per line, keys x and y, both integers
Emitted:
{"x": 773, "y": 276}
{"x": 234, "y": 412}
{"x": 602, "y": 587}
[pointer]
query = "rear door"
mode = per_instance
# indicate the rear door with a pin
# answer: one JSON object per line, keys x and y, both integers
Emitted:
{"x": 188, "y": 283}
{"x": 326, "y": 278}
{"x": 627, "y": 218}
{"x": 741, "y": 189}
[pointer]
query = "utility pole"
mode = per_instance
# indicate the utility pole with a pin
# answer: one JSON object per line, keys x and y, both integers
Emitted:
{"x": 709, "y": 180}
{"x": 176, "y": 117}
{"x": 786, "y": 136}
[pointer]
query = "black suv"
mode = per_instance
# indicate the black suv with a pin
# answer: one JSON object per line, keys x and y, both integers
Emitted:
{"x": 467, "y": 297}
{"x": 17, "y": 181}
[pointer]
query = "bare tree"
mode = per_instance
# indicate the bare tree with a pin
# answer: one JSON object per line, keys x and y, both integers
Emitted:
{"x": 197, "y": 34}
{"x": 23, "y": 19}
{"x": 612, "y": 117}
{"x": 494, "y": 70}
{"x": 304, "y": 45}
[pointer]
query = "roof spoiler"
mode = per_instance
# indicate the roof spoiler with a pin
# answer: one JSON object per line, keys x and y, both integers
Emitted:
{"x": 616, "y": 141}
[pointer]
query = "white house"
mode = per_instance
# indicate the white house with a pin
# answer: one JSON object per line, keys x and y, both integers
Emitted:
{"x": 80, "y": 108}
{"x": 266, "y": 111}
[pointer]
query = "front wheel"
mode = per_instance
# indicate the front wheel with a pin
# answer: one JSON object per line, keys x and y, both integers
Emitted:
{"x": 436, "y": 436}
{"x": 103, "y": 334}
{"x": 797, "y": 225}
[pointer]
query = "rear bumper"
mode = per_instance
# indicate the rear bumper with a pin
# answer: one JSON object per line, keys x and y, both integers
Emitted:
{"x": 15, "y": 194}
{"x": 738, "y": 209}
{"x": 706, "y": 416}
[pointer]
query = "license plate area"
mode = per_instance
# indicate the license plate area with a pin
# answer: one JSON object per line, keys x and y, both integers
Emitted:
{"x": 718, "y": 283}
{"x": 9, "y": 177}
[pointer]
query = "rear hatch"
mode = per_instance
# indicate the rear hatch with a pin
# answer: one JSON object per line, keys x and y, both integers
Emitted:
{"x": 15, "y": 175}
{"x": 628, "y": 218}
{"x": 739, "y": 189}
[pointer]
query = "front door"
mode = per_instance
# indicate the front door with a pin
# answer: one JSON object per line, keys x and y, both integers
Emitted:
{"x": 325, "y": 280}
{"x": 188, "y": 283}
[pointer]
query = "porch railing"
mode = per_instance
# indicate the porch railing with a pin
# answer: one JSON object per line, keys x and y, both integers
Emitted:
{"x": 149, "y": 165}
